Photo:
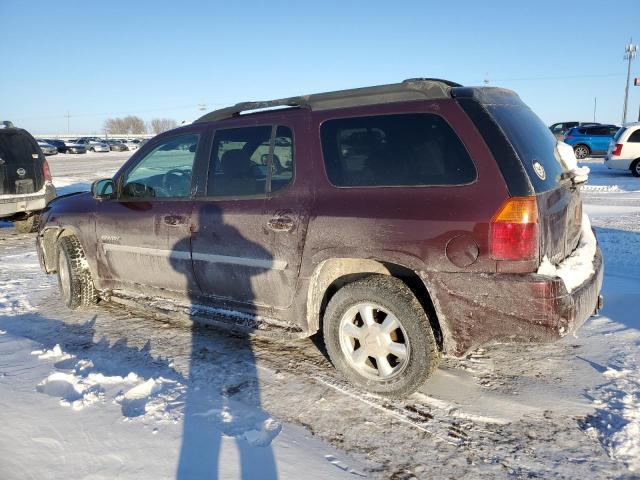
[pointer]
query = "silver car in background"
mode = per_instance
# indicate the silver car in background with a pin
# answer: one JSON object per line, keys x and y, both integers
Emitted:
{"x": 47, "y": 148}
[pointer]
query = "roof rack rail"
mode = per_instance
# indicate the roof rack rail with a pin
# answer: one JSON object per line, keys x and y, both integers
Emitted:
{"x": 411, "y": 89}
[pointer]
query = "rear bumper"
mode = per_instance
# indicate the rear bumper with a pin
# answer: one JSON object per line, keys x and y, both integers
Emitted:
{"x": 13, "y": 204}
{"x": 617, "y": 163}
{"x": 476, "y": 309}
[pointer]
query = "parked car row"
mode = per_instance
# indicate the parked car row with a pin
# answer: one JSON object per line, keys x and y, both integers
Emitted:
{"x": 619, "y": 145}
{"x": 88, "y": 144}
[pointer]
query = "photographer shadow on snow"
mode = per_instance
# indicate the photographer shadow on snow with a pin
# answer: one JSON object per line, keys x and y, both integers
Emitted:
{"x": 209, "y": 419}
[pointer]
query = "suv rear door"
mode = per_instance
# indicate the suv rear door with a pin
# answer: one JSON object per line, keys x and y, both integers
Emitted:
{"x": 250, "y": 226}
{"x": 21, "y": 163}
{"x": 559, "y": 202}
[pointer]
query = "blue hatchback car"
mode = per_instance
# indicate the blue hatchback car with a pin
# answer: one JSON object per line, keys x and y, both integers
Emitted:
{"x": 590, "y": 140}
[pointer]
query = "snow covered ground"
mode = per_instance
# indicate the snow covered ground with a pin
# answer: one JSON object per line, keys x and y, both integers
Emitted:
{"x": 108, "y": 393}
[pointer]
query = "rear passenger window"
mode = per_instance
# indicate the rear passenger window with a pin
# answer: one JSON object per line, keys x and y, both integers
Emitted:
{"x": 635, "y": 137}
{"x": 392, "y": 150}
{"x": 241, "y": 157}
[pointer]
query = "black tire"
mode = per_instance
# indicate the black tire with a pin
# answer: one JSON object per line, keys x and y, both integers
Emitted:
{"x": 635, "y": 168}
{"x": 92, "y": 150}
{"x": 581, "y": 151}
{"x": 29, "y": 224}
{"x": 75, "y": 283}
{"x": 393, "y": 295}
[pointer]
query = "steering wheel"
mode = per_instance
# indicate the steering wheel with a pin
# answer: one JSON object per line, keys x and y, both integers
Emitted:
{"x": 166, "y": 186}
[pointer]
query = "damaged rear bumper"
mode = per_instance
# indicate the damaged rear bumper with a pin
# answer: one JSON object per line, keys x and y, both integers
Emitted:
{"x": 510, "y": 307}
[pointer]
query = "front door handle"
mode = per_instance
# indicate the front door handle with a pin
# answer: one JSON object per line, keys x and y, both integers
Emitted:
{"x": 281, "y": 224}
{"x": 175, "y": 220}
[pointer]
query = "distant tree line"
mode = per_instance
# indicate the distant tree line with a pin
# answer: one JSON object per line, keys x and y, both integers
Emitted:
{"x": 133, "y": 124}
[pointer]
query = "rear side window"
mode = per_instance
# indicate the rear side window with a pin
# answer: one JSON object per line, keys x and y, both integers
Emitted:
{"x": 598, "y": 131}
{"x": 634, "y": 137}
{"x": 240, "y": 160}
{"x": 532, "y": 141}
{"x": 393, "y": 150}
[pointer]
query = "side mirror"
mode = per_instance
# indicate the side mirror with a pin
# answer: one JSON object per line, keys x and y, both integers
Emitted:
{"x": 103, "y": 189}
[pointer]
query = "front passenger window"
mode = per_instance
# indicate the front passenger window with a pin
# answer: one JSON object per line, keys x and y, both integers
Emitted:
{"x": 165, "y": 172}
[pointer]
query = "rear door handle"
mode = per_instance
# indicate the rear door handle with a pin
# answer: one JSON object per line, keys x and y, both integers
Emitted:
{"x": 175, "y": 220}
{"x": 281, "y": 224}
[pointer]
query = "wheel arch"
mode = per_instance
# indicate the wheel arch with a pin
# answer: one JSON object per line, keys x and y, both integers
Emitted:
{"x": 50, "y": 237}
{"x": 333, "y": 273}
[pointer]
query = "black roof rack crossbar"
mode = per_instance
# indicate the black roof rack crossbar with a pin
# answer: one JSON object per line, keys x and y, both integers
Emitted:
{"x": 412, "y": 89}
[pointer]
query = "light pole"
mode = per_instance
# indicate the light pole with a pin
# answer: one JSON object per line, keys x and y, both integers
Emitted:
{"x": 629, "y": 54}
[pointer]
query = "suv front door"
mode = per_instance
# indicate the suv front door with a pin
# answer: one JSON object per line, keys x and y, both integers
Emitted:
{"x": 143, "y": 233}
{"x": 249, "y": 228}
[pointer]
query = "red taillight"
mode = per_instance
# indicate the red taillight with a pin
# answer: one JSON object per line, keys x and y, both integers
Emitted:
{"x": 47, "y": 172}
{"x": 514, "y": 230}
{"x": 617, "y": 150}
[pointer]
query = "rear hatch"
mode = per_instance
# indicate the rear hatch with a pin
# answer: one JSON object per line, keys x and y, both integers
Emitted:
{"x": 526, "y": 153}
{"x": 21, "y": 163}
{"x": 559, "y": 202}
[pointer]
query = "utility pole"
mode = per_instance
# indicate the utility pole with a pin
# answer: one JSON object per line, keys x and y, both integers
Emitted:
{"x": 68, "y": 116}
{"x": 629, "y": 54}
{"x": 595, "y": 106}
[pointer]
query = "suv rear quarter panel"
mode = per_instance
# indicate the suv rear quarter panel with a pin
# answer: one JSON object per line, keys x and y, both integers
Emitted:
{"x": 409, "y": 226}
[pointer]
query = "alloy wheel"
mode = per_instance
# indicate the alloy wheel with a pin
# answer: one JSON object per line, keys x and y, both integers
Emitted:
{"x": 373, "y": 341}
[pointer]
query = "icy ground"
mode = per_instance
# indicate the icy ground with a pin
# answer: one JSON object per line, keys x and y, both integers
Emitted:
{"x": 110, "y": 394}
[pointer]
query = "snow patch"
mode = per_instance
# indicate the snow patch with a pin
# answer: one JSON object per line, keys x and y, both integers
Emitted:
{"x": 70, "y": 390}
{"x": 578, "y": 266}
{"x": 568, "y": 157}
{"x": 55, "y": 353}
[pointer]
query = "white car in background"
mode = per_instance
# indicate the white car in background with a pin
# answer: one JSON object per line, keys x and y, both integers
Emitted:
{"x": 624, "y": 150}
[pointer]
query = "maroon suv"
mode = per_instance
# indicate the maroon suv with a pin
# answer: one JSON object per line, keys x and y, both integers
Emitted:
{"x": 404, "y": 221}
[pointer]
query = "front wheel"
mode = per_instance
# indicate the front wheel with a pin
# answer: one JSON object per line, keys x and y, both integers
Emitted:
{"x": 378, "y": 336}
{"x": 635, "y": 168}
{"x": 74, "y": 277}
{"x": 29, "y": 224}
{"x": 581, "y": 151}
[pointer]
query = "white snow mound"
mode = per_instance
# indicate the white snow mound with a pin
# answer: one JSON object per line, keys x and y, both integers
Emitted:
{"x": 578, "y": 266}
{"x": 571, "y": 162}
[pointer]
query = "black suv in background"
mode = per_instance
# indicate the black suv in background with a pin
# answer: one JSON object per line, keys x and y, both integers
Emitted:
{"x": 25, "y": 181}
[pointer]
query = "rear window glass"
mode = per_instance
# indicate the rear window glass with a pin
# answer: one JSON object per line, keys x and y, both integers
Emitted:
{"x": 532, "y": 141}
{"x": 393, "y": 150}
{"x": 17, "y": 148}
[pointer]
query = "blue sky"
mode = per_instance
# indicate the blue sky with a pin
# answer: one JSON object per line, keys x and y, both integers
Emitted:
{"x": 162, "y": 59}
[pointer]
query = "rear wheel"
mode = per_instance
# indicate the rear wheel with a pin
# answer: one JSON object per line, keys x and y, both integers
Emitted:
{"x": 635, "y": 168}
{"x": 92, "y": 149}
{"x": 378, "y": 335}
{"x": 29, "y": 224}
{"x": 74, "y": 277}
{"x": 581, "y": 151}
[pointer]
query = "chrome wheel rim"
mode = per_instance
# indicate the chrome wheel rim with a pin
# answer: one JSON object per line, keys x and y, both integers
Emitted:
{"x": 581, "y": 152}
{"x": 638, "y": 168}
{"x": 63, "y": 272}
{"x": 373, "y": 341}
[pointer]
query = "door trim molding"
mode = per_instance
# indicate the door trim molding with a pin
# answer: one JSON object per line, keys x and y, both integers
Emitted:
{"x": 203, "y": 257}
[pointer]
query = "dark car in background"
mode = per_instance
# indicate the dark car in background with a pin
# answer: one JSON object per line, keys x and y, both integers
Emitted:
{"x": 560, "y": 129}
{"x": 403, "y": 221}
{"x": 59, "y": 144}
{"x": 25, "y": 180}
{"x": 590, "y": 139}
{"x": 72, "y": 147}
